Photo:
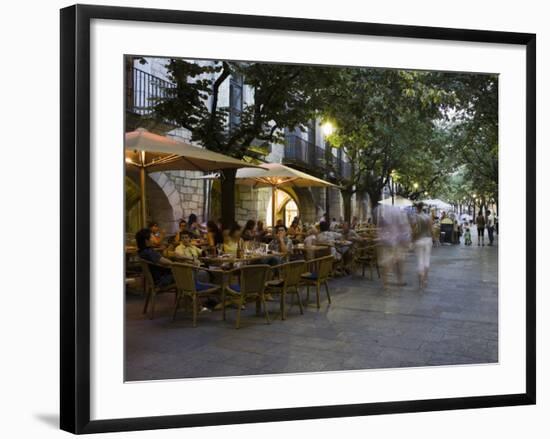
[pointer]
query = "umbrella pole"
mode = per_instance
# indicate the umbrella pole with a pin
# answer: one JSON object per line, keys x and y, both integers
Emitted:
{"x": 143, "y": 200}
{"x": 273, "y": 200}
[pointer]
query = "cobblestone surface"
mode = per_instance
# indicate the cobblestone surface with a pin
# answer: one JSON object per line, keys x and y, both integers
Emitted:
{"x": 454, "y": 321}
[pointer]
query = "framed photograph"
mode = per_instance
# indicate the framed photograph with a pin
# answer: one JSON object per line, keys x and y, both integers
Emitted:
{"x": 272, "y": 218}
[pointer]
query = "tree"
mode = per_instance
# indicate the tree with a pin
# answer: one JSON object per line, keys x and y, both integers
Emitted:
{"x": 385, "y": 120}
{"x": 283, "y": 96}
{"x": 473, "y": 124}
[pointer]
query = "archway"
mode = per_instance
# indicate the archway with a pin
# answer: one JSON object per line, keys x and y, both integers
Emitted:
{"x": 159, "y": 208}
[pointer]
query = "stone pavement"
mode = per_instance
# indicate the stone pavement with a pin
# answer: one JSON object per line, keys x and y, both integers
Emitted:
{"x": 454, "y": 321}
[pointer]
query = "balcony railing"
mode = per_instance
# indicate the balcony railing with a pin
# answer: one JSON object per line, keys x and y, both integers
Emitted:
{"x": 144, "y": 90}
{"x": 307, "y": 155}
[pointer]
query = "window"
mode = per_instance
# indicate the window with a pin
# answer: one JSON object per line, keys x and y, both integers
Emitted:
{"x": 235, "y": 100}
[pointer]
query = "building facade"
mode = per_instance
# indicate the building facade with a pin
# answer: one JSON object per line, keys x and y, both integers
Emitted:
{"x": 176, "y": 194}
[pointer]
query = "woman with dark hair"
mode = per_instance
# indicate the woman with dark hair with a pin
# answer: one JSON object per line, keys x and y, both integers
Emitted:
{"x": 214, "y": 234}
{"x": 260, "y": 231}
{"x": 248, "y": 231}
{"x": 193, "y": 225}
{"x": 233, "y": 242}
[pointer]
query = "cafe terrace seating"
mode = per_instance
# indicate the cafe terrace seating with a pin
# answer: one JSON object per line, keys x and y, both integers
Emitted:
{"x": 252, "y": 285}
{"x": 289, "y": 282}
{"x": 188, "y": 286}
{"x": 151, "y": 289}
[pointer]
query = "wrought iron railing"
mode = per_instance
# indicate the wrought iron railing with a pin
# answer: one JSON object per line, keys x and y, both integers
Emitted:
{"x": 307, "y": 155}
{"x": 144, "y": 90}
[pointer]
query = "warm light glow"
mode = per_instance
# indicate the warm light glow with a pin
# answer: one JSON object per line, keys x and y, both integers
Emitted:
{"x": 415, "y": 185}
{"x": 327, "y": 128}
{"x": 128, "y": 160}
{"x": 425, "y": 193}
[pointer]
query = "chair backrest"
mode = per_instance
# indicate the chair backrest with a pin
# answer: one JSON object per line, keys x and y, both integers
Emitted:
{"x": 253, "y": 278}
{"x": 321, "y": 266}
{"x": 292, "y": 272}
{"x": 325, "y": 267}
{"x": 184, "y": 276}
{"x": 149, "y": 281}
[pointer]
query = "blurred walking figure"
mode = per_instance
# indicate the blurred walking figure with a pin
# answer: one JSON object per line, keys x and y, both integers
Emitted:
{"x": 394, "y": 238}
{"x": 490, "y": 227}
{"x": 467, "y": 236}
{"x": 480, "y": 222}
{"x": 422, "y": 235}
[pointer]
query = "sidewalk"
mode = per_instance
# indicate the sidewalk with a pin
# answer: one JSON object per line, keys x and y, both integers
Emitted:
{"x": 454, "y": 321}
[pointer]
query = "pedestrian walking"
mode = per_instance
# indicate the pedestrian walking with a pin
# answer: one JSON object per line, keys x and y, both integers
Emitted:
{"x": 467, "y": 236}
{"x": 422, "y": 236}
{"x": 480, "y": 223}
{"x": 490, "y": 227}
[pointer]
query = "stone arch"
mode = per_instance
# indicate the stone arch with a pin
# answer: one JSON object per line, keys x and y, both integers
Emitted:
{"x": 306, "y": 203}
{"x": 160, "y": 205}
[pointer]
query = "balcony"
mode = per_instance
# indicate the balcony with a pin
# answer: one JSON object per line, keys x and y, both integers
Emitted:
{"x": 142, "y": 91}
{"x": 305, "y": 155}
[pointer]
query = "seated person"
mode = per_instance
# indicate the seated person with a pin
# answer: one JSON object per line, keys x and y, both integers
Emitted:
{"x": 157, "y": 235}
{"x": 187, "y": 250}
{"x": 249, "y": 230}
{"x": 328, "y": 237}
{"x": 233, "y": 241}
{"x": 260, "y": 231}
{"x": 193, "y": 226}
{"x": 349, "y": 234}
{"x": 311, "y": 238}
{"x": 181, "y": 229}
{"x": 294, "y": 231}
{"x": 162, "y": 275}
{"x": 280, "y": 242}
{"x": 214, "y": 234}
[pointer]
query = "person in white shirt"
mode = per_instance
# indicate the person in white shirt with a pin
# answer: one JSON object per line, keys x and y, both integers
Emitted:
{"x": 490, "y": 225}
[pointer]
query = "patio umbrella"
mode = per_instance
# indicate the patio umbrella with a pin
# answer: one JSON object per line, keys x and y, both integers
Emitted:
{"x": 440, "y": 204}
{"x": 398, "y": 201}
{"x": 150, "y": 152}
{"x": 275, "y": 176}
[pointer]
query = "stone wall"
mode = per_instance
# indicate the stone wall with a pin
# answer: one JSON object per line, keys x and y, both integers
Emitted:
{"x": 184, "y": 193}
{"x": 251, "y": 203}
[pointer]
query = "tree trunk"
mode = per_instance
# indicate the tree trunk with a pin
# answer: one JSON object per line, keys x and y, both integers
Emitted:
{"x": 374, "y": 198}
{"x": 228, "y": 197}
{"x": 346, "y": 198}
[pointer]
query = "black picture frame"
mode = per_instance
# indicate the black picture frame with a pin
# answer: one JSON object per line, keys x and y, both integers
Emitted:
{"x": 75, "y": 217}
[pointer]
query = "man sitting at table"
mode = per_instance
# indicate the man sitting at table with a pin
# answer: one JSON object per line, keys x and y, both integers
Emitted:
{"x": 280, "y": 242}
{"x": 182, "y": 228}
{"x": 187, "y": 250}
{"x": 162, "y": 275}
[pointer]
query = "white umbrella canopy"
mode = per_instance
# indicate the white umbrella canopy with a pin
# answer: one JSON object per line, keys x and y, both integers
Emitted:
{"x": 397, "y": 201}
{"x": 278, "y": 175}
{"x": 151, "y": 152}
{"x": 159, "y": 153}
{"x": 440, "y": 204}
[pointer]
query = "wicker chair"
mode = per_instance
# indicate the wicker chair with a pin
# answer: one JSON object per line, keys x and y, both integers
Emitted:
{"x": 320, "y": 270}
{"x": 364, "y": 255}
{"x": 252, "y": 284}
{"x": 288, "y": 283}
{"x": 151, "y": 289}
{"x": 188, "y": 286}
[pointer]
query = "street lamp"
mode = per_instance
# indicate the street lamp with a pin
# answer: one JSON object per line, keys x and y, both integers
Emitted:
{"x": 415, "y": 185}
{"x": 327, "y": 128}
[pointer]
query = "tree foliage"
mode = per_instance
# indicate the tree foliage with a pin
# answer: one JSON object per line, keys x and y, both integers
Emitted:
{"x": 282, "y": 96}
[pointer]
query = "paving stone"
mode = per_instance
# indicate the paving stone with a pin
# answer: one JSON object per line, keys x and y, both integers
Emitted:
{"x": 453, "y": 322}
